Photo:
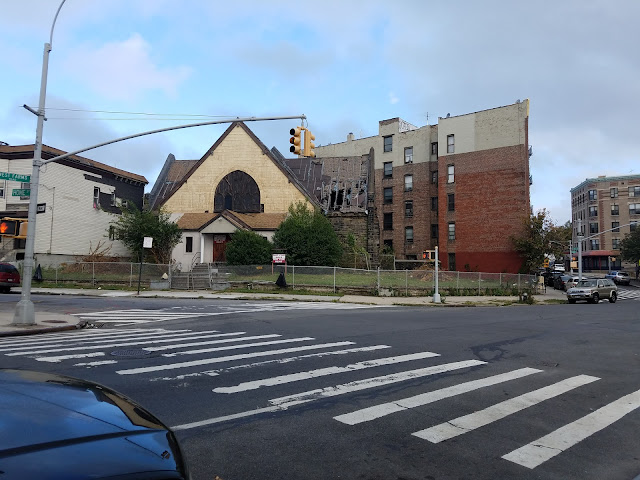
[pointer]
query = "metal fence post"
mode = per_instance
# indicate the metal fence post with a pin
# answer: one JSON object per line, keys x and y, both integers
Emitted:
{"x": 378, "y": 281}
{"x": 293, "y": 272}
{"x": 519, "y": 287}
{"x": 500, "y": 280}
{"x": 334, "y": 279}
{"x": 458, "y": 282}
{"x": 406, "y": 282}
{"x": 93, "y": 273}
{"x": 479, "y": 278}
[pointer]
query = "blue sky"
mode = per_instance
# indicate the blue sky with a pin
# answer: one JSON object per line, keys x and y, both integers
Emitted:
{"x": 345, "y": 64}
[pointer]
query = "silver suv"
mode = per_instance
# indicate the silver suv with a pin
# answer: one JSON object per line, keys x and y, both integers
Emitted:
{"x": 593, "y": 290}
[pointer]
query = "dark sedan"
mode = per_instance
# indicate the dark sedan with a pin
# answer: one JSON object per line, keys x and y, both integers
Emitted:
{"x": 58, "y": 427}
{"x": 560, "y": 282}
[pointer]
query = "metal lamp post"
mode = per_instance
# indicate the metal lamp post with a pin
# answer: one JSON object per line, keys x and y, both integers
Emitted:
{"x": 25, "y": 313}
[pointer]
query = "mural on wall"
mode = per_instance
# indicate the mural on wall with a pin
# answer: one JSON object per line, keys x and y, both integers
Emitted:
{"x": 239, "y": 192}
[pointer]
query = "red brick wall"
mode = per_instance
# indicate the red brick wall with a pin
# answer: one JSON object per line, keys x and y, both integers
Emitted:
{"x": 491, "y": 198}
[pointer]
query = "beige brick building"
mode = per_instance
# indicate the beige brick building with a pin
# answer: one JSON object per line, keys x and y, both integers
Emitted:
{"x": 602, "y": 209}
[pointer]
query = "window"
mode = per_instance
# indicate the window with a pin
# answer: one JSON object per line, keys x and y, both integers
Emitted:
{"x": 388, "y": 243}
{"x": 388, "y": 143}
{"x": 408, "y": 208}
{"x": 408, "y": 234}
{"x": 633, "y": 226}
{"x": 451, "y": 204}
{"x": 408, "y": 155}
{"x": 615, "y": 243}
{"x": 96, "y": 197}
{"x": 614, "y": 192}
{"x": 452, "y": 261}
{"x": 594, "y": 243}
{"x": 2, "y": 188}
{"x": 434, "y": 204}
{"x": 593, "y": 211}
{"x": 25, "y": 186}
{"x": 388, "y": 169}
{"x": 434, "y": 230}
{"x": 113, "y": 199}
{"x": 593, "y": 195}
{"x": 634, "y": 209}
{"x": 452, "y": 231}
{"x": 408, "y": 183}
{"x": 615, "y": 226}
{"x": 387, "y": 222}
{"x": 388, "y": 195}
{"x": 451, "y": 143}
{"x": 434, "y": 177}
{"x": 615, "y": 209}
{"x": 593, "y": 228}
{"x": 450, "y": 174}
{"x": 189, "y": 245}
{"x": 434, "y": 148}
{"x": 634, "y": 191}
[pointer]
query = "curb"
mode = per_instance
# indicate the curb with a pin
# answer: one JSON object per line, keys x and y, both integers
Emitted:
{"x": 19, "y": 333}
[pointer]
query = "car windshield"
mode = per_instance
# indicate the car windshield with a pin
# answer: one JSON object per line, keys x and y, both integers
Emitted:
{"x": 623, "y": 274}
{"x": 587, "y": 283}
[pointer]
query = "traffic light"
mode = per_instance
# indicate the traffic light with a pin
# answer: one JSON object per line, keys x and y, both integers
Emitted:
{"x": 9, "y": 227}
{"x": 295, "y": 141}
{"x": 308, "y": 144}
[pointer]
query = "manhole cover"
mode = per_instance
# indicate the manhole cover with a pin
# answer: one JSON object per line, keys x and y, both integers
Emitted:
{"x": 132, "y": 352}
{"x": 53, "y": 321}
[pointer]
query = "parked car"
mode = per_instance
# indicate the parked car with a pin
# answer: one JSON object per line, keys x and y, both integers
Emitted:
{"x": 560, "y": 281}
{"x": 9, "y": 277}
{"x": 619, "y": 278}
{"x": 592, "y": 290}
{"x": 551, "y": 278}
{"x": 572, "y": 282}
{"x": 58, "y": 427}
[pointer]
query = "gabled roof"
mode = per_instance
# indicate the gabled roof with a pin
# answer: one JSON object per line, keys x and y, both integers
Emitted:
{"x": 283, "y": 168}
{"x": 16, "y": 152}
{"x": 245, "y": 221}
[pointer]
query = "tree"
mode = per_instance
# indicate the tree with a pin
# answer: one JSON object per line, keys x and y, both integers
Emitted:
{"x": 248, "y": 248}
{"x": 133, "y": 225}
{"x": 307, "y": 237}
{"x": 630, "y": 246}
{"x": 535, "y": 240}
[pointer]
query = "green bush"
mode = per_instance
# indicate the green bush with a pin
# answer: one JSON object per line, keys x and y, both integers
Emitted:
{"x": 248, "y": 248}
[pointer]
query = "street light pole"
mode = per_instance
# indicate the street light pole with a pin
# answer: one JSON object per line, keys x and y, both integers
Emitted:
{"x": 25, "y": 314}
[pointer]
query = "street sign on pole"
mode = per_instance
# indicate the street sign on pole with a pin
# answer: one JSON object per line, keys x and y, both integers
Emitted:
{"x": 16, "y": 177}
{"x": 21, "y": 192}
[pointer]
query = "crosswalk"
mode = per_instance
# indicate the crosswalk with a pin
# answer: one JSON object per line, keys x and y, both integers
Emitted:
{"x": 216, "y": 355}
{"x": 135, "y": 316}
{"x": 629, "y": 294}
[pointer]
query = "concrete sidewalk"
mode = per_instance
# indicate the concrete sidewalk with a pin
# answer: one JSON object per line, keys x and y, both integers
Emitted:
{"x": 52, "y": 322}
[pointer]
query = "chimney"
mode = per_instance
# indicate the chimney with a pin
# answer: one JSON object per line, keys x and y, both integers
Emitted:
{"x": 350, "y": 137}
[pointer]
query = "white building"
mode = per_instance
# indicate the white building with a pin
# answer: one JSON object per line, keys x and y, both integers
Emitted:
{"x": 78, "y": 200}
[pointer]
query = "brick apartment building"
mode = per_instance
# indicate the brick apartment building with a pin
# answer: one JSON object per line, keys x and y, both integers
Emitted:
{"x": 602, "y": 209}
{"x": 462, "y": 185}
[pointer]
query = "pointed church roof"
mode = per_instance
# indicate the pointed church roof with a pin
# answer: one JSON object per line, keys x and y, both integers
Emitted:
{"x": 283, "y": 168}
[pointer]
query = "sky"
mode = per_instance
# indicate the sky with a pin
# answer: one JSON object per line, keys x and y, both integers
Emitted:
{"x": 119, "y": 67}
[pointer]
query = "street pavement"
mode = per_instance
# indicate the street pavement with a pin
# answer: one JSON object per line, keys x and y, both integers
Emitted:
{"x": 47, "y": 322}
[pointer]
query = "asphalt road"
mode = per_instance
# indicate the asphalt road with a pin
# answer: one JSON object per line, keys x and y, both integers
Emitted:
{"x": 263, "y": 390}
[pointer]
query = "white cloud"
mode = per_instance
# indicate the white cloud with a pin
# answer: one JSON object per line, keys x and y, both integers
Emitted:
{"x": 393, "y": 99}
{"x": 124, "y": 70}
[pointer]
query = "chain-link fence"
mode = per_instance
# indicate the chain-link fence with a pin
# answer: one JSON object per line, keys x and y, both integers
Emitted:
{"x": 105, "y": 273}
{"x": 327, "y": 279}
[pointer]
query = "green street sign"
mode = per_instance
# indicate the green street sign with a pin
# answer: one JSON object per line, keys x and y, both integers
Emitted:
{"x": 21, "y": 192}
{"x": 17, "y": 177}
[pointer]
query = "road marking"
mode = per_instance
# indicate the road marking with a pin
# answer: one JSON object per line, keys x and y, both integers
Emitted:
{"x": 78, "y": 336}
{"x": 233, "y": 347}
{"x": 217, "y": 372}
{"x": 467, "y": 423}
{"x": 377, "y": 411}
{"x": 95, "y": 364}
{"x": 66, "y": 357}
{"x": 212, "y": 342}
{"x": 230, "y": 358}
{"x": 105, "y": 341}
{"x": 119, "y": 344}
{"x": 547, "y": 447}
{"x": 296, "y": 377}
{"x": 284, "y": 403}
{"x": 374, "y": 382}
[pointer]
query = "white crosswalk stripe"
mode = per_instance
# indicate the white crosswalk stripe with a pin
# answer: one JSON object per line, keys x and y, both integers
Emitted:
{"x": 137, "y": 316}
{"x": 629, "y": 294}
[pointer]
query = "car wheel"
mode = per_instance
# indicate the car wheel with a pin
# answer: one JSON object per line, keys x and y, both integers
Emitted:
{"x": 613, "y": 297}
{"x": 572, "y": 301}
{"x": 596, "y": 298}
